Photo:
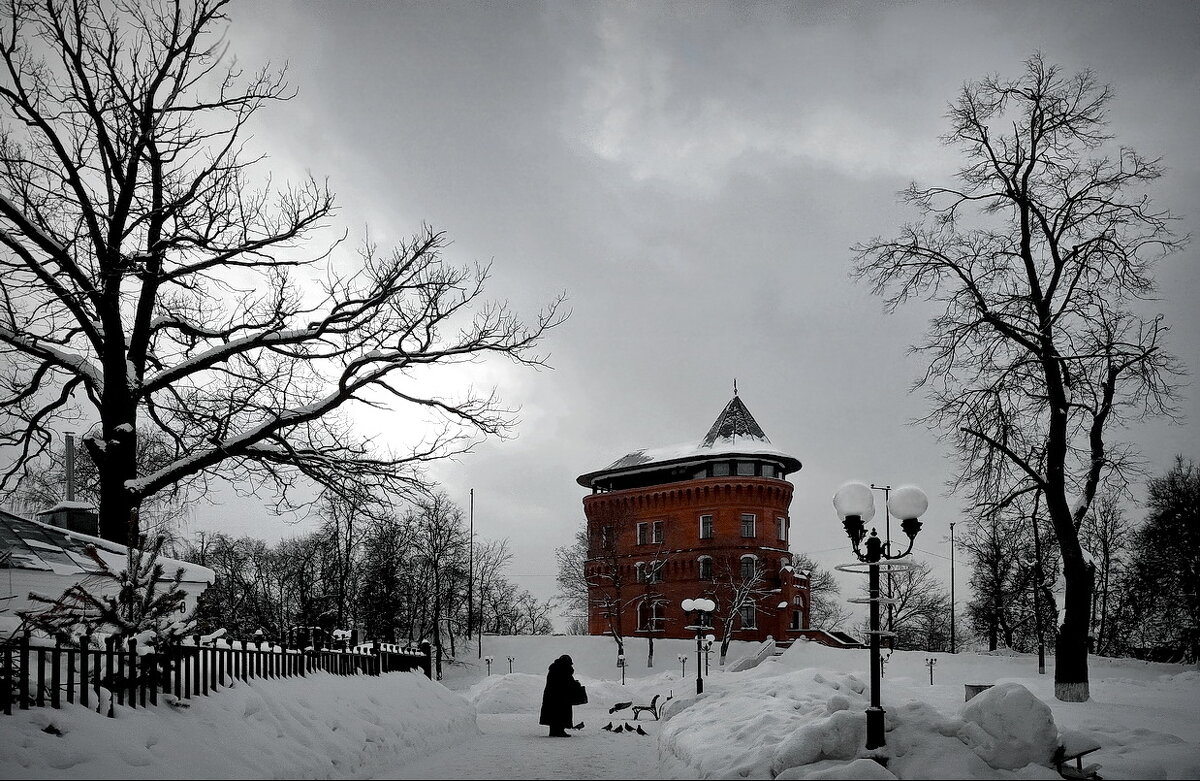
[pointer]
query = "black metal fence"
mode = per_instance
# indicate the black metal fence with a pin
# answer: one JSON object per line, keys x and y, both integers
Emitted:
{"x": 34, "y": 675}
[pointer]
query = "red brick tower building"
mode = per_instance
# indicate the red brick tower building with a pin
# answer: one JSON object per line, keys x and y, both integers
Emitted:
{"x": 704, "y": 519}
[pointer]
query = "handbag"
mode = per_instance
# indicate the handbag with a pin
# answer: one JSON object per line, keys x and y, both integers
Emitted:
{"x": 579, "y": 695}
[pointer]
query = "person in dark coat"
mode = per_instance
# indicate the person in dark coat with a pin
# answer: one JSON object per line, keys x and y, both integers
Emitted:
{"x": 560, "y": 693}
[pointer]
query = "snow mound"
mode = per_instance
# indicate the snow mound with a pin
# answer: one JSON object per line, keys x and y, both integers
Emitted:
{"x": 511, "y": 693}
{"x": 1009, "y": 728}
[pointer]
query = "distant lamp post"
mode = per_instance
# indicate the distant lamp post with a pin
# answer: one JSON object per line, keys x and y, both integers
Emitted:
{"x": 700, "y": 608}
{"x": 855, "y": 505}
{"x": 930, "y": 662}
{"x": 489, "y": 660}
{"x": 621, "y": 664}
{"x": 682, "y": 665}
{"x": 510, "y": 661}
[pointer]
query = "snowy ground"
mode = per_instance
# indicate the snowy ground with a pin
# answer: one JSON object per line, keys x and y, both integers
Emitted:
{"x": 796, "y": 716}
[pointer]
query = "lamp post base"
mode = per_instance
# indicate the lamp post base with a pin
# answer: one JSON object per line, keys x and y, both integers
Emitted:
{"x": 875, "y": 737}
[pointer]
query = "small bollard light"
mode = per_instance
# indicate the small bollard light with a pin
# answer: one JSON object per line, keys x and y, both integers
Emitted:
{"x": 489, "y": 659}
{"x": 682, "y": 664}
{"x": 621, "y": 664}
{"x": 510, "y": 661}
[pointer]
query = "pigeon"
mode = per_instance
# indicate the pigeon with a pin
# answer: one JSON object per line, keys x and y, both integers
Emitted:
{"x": 628, "y": 728}
{"x": 578, "y": 726}
{"x": 641, "y": 731}
{"x": 608, "y": 727}
{"x": 619, "y": 706}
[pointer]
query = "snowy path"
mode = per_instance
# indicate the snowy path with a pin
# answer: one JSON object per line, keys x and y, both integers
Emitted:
{"x": 515, "y": 746}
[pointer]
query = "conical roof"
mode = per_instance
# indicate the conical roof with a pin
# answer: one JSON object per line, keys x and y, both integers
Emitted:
{"x": 735, "y": 422}
{"x": 735, "y": 432}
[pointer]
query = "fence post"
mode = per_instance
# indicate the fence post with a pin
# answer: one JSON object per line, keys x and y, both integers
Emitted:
{"x": 133, "y": 672}
{"x": 23, "y": 653}
{"x": 110, "y": 668}
{"x": 55, "y": 675}
{"x": 70, "y": 675}
{"x": 85, "y": 653}
{"x": 427, "y": 659}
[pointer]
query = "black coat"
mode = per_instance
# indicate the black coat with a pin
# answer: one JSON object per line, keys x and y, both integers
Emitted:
{"x": 561, "y": 687}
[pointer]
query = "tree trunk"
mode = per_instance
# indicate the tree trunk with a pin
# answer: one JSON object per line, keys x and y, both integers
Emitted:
{"x": 116, "y": 460}
{"x": 1071, "y": 644}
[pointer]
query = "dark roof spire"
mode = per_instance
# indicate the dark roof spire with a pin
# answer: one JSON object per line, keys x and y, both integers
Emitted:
{"x": 734, "y": 421}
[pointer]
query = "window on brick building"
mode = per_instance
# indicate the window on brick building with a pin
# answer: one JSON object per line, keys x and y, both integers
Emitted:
{"x": 749, "y": 568}
{"x": 781, "y": 528}
{"x": 649, "y": 616}
{"x": 642, "y": 533}
{"x": 748, "y": 520}
{"x": 706, "y": 527}
{"x": 745, "y": 468}
{"x": 749, "y": 616}
{"x": 657, "y": 532}
{"x": 720, "y": 469}
{"x": 654, "y": 572}
{"x": 706, "y": 568}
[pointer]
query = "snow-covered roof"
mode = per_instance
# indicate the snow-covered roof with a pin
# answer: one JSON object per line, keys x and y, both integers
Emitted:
{"x": 734, "y": 432}
{"x": 33, "y": 545}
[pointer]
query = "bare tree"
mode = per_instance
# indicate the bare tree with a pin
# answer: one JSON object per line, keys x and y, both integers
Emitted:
{"x": 1037, "y": 256}
{"x": 151, "y": 277}
{"x": 1106, "y": 535}
{"x": 921, "y": 610}
{"x": 610, "y": 578}
{"x": 741, "y": 588}
{"x": 825, "y": 611}
{"x": 572, "y": 582}
{"x": 440, "y": 537}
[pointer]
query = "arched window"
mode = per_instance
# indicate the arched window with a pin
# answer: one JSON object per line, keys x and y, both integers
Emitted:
{"x": 749, "y": 570}
{"x": 706, "y": 568}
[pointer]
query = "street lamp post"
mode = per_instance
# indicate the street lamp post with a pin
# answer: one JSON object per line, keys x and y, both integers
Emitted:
{"x": 489, "y": 660}
{"x": 510, "y": 661}
{"x": 682, "y": 665}
{"x": 855, "y": 505}
{"x": 700, "y": 607}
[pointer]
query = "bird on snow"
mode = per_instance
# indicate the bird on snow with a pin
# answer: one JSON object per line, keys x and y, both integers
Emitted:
{"x": 608, "y": 727}
{"x": 641, "y": 731}
{"x": 628, "y": 728}
{"x": 578, "y": 726}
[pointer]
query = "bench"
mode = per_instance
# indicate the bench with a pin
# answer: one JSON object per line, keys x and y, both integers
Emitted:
{"x": 653, "y": 708}
{"x": 1075, "y": 746}
{"x": 972, "y": 689}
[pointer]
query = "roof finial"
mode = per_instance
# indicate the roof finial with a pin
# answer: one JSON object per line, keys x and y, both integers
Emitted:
{"x": 735, "y": 386}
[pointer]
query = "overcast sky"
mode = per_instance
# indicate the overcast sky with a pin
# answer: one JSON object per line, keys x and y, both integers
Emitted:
{"x": 692, "y": 176}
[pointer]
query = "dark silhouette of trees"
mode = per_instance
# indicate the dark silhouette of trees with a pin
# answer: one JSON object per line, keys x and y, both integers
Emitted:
{"x": 1163, "y": 617}
{"x": 1036, "y": 258}
{"x": 152, "y": 278}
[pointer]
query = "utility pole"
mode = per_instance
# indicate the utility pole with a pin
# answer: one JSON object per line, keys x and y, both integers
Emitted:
{"x": 471, "y": 581}
{"x": 951, "y": 593}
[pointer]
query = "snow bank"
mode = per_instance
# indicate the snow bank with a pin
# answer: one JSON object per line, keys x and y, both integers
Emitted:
{"x": 321, "y": 726}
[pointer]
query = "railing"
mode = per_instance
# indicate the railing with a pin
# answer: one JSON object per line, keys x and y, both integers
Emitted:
{"x": 40, "y": 675}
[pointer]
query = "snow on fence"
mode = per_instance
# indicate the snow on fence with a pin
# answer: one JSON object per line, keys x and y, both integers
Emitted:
{"x": 40, "y": 675}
